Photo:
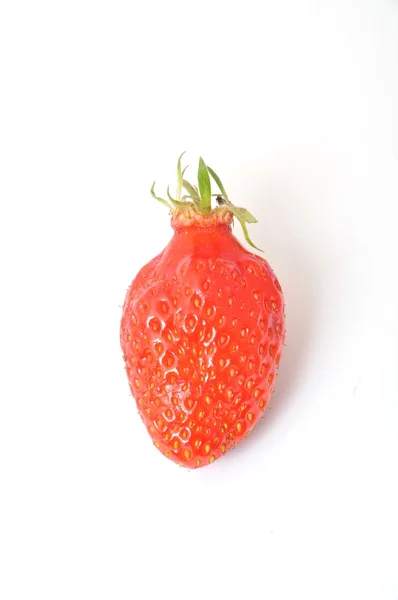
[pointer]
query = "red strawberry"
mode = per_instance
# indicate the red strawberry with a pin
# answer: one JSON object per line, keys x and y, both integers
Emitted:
{"x": 202, "y": 330}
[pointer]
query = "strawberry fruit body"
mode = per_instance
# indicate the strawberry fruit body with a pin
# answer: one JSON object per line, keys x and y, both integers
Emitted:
{"x": 202, "y": 332}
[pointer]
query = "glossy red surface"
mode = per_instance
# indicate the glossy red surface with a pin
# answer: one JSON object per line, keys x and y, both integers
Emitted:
{"x": 202, "y": 333}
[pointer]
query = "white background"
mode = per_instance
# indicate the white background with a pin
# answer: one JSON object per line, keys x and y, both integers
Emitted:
{"x": 295, "y": 105}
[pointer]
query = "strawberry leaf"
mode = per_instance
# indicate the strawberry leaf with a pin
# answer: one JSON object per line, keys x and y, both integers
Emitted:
{"x": 179, "y": 176}
{"x": 172, "y": 200}
{"x": 162, "y": 200}
{"x": 246, "y": 234}
{"x": 192, "y": 191}
{"x": 204, "y": 186}
{"x": 218, "y": 182}
{"x": 245, "y": 215}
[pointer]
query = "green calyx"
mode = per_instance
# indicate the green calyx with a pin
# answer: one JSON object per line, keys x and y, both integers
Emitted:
{"x": 198, "y": 197}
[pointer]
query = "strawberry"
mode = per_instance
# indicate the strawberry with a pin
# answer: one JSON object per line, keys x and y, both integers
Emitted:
{"x": 202, "y": 329}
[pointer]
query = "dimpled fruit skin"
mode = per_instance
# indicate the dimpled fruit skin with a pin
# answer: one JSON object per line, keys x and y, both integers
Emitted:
{"x": 202, "y": 332}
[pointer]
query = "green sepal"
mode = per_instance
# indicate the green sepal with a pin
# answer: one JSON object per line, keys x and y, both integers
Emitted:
{"x": 201, "y": 197}
{"x": 244, "y": 214}
{"x": 192, "y": 191}
{"x": 162, "y": 200}
{"x": 179, "y": 177}
{"x": 246, "y": 233}
{"x": 218, "y": 182}
{"x": 204, "y": 186}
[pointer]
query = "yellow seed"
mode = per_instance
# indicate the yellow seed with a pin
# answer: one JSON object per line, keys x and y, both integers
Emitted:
{"x": 249, "y": 416}
{"x": 229, "y": 394}
{"x": 176, "y": 444}
{"x": 239, "y": 427}
{"x": 207, "y": 400}
{"x": 167, "y": 452}
{"x": 157, "y": 444}
{"x": 212, "y": 458}
{"x": 197, "y": 443}
{"x": 256, "y": 393}
{"x": 187, "y": 453}
{"x": 198, "y": 462}
{"x": 207, "y": 448}
{"x": 223, "y": 447}
{"x": 261, "y": 403}
{"x": 201, "y": 414}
